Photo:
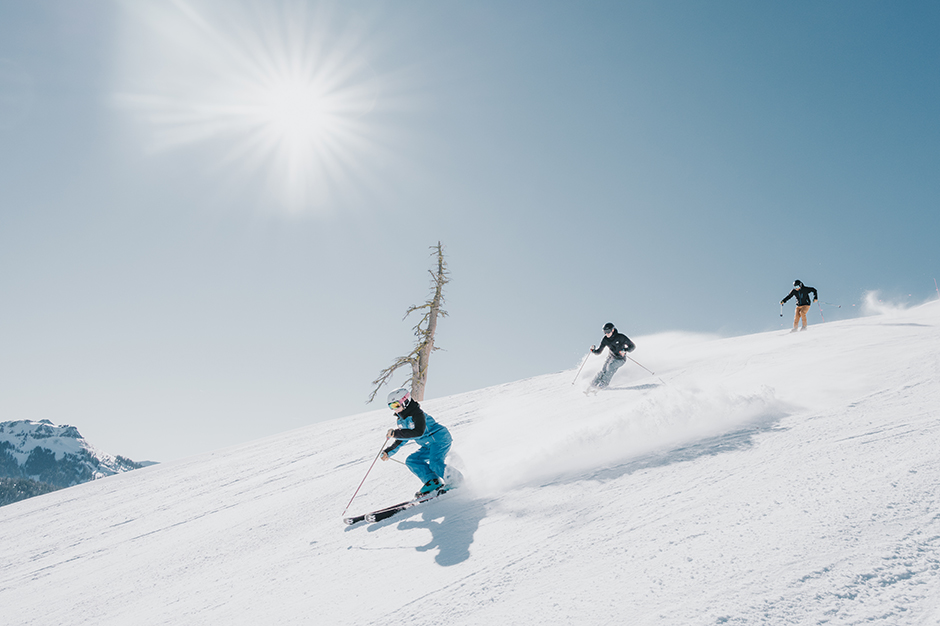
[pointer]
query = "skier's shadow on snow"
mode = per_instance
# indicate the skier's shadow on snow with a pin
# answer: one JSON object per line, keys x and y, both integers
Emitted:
{"x": 635, "y": 387}
{"x": 452, "y": 522}
{"x": 907, "y": 324}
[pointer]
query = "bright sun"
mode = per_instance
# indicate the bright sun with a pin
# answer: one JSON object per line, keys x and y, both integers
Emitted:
{"x": 279, "y": 89}
{"x": 293, "y": 107}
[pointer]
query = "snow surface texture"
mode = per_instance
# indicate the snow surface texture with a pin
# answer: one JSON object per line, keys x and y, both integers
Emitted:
{"x": 770, "y": 479}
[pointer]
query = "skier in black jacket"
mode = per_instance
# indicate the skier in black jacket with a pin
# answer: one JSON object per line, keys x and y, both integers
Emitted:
{"x": 801, "y": 292}
{"x": 619, "y": 344}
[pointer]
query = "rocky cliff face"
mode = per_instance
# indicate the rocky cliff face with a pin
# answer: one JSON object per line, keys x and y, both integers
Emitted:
{"x": 57, "y": 456}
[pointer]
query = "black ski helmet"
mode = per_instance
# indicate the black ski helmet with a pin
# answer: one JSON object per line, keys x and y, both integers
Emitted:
{"x": 797, "y": 283}
{"x": 609, "y": 326}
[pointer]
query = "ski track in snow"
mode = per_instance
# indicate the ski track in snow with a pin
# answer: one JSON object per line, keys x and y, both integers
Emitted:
{"x": 766, "y": 479}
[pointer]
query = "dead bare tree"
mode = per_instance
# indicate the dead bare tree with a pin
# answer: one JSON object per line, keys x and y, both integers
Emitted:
{"x": 420, "y": 357}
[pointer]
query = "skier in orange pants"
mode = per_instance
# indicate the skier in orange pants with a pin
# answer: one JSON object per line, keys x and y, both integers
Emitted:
{"x": 801, "y": 292}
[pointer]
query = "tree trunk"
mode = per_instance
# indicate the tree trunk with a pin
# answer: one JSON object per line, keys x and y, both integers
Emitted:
{"x": 420, "y": 357}
{"x": 420, "y": 378}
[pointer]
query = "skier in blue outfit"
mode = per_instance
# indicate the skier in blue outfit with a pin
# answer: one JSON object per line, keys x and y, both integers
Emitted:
{"x": 619, "y": 344}
{"x": 434, "y": 440}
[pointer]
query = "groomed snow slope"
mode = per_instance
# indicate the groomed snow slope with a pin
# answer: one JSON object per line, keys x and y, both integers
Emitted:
{"x": 770, "y": 479}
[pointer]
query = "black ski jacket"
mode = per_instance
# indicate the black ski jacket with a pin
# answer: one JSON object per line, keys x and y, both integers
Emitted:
{"x": 802, "y": 295}
{"x": 418, "y": 418}
{"x": 617, "y": 342}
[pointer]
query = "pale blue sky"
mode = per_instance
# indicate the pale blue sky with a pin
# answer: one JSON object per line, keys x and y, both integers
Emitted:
{"x": 178, "y": 272}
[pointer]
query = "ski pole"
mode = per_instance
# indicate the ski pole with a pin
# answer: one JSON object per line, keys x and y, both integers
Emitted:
{"x": 781, "y": 309}
{"x": 366, "y": 476}
{"x": 647, "y": 369}
{"x": 821, "y": 313}
{"x": 581, "y": 368}
{"x": 935, "y": 287}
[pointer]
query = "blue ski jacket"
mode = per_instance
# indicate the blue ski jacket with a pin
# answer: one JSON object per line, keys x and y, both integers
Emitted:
{"x": 414, "y": 425}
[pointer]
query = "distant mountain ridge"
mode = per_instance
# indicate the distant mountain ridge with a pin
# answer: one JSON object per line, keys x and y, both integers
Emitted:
{"x": 37, "y": 457}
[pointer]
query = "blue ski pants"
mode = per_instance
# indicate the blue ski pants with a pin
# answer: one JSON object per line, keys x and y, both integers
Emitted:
{"x": 427, "y": 462}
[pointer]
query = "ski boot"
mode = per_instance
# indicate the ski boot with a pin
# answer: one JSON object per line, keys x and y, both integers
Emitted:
{"x": 429, "y": 487}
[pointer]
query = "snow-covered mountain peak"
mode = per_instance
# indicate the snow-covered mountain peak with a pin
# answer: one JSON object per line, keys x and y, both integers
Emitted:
{"x": 54, "y": 454}
{"x": 26, "y": 430}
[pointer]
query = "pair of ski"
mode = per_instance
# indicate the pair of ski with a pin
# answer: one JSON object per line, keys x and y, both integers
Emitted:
{"x": 387, "y": 512}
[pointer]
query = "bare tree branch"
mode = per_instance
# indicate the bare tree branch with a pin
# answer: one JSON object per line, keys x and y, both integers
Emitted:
{"x": 419, "y": 358}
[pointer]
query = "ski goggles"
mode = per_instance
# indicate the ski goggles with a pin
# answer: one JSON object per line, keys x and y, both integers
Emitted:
{"x": 395, "y": 405}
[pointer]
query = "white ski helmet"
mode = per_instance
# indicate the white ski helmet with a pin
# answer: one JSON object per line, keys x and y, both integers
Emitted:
{"x": 401, "y": 397}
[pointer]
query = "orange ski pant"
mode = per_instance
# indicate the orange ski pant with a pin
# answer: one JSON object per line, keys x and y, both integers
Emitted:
{"x": 800, "y": 314}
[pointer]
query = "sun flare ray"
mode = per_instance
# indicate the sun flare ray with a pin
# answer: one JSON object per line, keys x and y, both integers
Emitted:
{"x": 278, "y": 87}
